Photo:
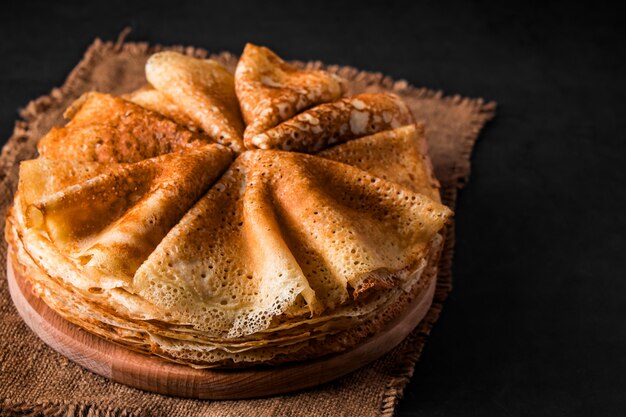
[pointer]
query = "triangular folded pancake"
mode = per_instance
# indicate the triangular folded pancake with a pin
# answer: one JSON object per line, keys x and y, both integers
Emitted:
{"x": 397, "y": 155}
{"x": 271, "y": 91}
{"x": 152, "y": 99}
{"x": 204, "y": 90}
{"x": 337, "y": 122}
{"x": 107, "y": 218}
{"x": 105, "y": 128}
{"x": 282, "y": 227}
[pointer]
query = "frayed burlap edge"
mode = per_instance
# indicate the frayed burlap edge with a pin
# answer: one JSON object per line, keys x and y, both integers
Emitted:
{"x": 64, "y": 409}
{"x": 21, "y": 146}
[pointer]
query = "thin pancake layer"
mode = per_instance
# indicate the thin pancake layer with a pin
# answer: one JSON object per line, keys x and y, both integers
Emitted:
{"x": 204, "y": 90}
{"x": 318, "y": 340}
{"x": 108, "y": 129}
{"x": 399, "y": 155}
{"x": 152, "y": 99}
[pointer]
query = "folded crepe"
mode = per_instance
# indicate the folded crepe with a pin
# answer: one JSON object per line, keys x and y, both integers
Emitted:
{"x": 149, "y": 234}
{"x": 153, "y": 99}
{"x": 104, "y": 128}
{"x": 109, "y": 217}
{"x": 405, "y": 154}
{"x": 271, "y": 91}
{"x": 336, "y": 122}
{"x": 203, "y": 90}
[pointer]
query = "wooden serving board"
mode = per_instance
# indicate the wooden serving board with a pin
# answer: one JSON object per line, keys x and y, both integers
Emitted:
{"x": 151, "y": 373}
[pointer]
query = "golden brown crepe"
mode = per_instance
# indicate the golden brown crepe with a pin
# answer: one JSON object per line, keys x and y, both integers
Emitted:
{"x": 260, "y": 232}
{"x": 153, "y": 99}
{"x": 110, "y": 217}
{"x": 336, "y": 122}
{"x": 105, "y": 129}
{"x": 145, "y": 232}
{"x": 203, "y": 90}
{"x": 405, "y": 154}
{"x": 271, "y": 91}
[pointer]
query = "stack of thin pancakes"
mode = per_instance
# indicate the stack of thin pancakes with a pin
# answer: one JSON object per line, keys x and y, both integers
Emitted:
{"x": 220, "y": 219}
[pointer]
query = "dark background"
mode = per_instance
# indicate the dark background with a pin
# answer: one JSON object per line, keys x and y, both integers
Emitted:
{"x": 536, "y": 324}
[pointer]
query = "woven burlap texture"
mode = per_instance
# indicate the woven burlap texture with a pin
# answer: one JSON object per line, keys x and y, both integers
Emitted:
{"x": 35, "y": 380}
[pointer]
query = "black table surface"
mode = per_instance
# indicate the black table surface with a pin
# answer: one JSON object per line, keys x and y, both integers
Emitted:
{"x": 536, "y": 324}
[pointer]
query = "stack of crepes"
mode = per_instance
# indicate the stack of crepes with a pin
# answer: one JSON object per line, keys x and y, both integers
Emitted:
{"x": 219, "y": 219}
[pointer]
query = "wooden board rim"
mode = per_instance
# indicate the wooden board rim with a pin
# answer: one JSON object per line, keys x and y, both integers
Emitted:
{"x": 150, "y": 373}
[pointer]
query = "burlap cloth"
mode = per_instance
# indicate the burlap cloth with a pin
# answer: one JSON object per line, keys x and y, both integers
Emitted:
{"x": 35, "y": 380}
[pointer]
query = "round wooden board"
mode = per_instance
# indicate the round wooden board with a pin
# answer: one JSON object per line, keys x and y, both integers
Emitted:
{"x": 151, "y": 373}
